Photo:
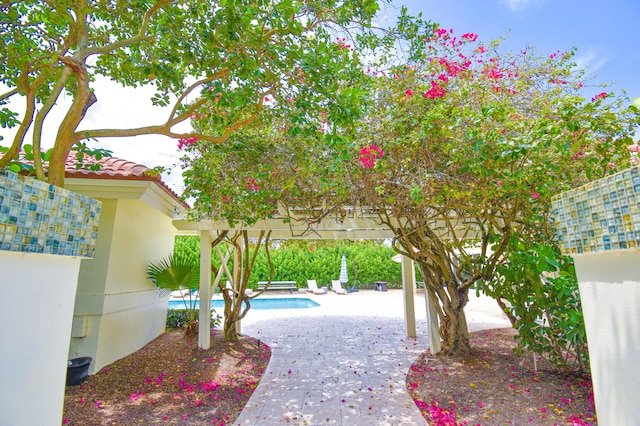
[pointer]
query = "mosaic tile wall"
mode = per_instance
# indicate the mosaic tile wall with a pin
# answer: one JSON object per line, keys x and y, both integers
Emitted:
{"x": 602, "y": 215}
{"x": 36, "y": 217}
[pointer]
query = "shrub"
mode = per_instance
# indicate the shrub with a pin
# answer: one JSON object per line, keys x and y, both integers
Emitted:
{"x": 180, "y": 318}
{"x": 541, "y": 288}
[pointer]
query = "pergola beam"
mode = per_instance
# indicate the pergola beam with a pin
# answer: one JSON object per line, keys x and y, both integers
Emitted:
{"x": 281, "y": 228}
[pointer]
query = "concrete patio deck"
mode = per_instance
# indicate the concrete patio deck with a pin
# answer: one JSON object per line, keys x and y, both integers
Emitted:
{"x": 344, "y": 362}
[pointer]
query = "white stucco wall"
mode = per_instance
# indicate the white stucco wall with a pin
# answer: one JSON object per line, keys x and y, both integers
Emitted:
{"x": 122, "y": 309}
{"x": 610, "y": 293}
{"x": 39, "y": 292}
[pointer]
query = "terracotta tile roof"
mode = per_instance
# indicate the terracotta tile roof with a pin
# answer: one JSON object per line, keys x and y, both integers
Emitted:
{"x": 112, "y": 168}
{"x": 117, "y": 169}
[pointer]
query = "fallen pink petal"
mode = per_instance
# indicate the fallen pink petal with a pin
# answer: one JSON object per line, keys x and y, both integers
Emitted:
{"x": 170, "y": 386}
{"x": 488, "y": 387}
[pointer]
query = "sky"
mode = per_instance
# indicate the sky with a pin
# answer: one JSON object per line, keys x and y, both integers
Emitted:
{"x": 606, "y": 34}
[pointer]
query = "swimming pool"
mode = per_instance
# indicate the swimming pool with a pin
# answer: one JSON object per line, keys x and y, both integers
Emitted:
{"x": 258, "y": 303}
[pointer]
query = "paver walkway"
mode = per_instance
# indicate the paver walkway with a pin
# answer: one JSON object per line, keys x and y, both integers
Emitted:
{"x": 344, "y": 363}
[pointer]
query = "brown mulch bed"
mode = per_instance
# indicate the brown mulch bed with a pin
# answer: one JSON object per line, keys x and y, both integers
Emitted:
{"x": 496, "y": 387}
{"x": 171, "y": 381}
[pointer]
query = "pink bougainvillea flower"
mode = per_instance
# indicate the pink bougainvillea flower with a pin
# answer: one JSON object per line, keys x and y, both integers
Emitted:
{"x": 494, "y": 74}
{"x": 453, "y": 68}
{"x": 185, "y": 142}
{"x": 602, "y": 95}
{"x": 440, "y": 32}
{"x": 470, "y": 36}
{"x": 369, "y": 155}
{"x": 408, "y": 93}
{"x": 436, "y": 91}
{"x": 535, "y": 195}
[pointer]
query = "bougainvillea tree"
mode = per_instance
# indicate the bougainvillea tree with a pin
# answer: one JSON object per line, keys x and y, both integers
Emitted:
{"x": 458, "y": 151}
{"x": 464, "y": 147}
{"x": 219, "y": 59}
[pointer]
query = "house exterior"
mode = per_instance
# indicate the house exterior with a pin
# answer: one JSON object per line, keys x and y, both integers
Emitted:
{"x": 117, "y": 309}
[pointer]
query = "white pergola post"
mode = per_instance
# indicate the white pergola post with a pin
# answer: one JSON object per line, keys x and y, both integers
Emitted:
{"x": 432, "y": 324}
{"x": 204, "y": 327}
{"x": 408, "y": 292}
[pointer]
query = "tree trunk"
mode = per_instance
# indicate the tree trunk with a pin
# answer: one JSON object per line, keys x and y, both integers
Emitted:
{"x": 507, "y": 311}
{"x": 230, "y": 316}
{"x": 230, "y": 330}
{"x": 455, "y": 333}
{"x": 453, "y": 321}
{"x": 236, "y": 302}
{"x": 83, "y": 99}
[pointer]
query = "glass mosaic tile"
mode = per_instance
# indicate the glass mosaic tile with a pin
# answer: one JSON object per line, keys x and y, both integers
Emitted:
{"x": 36, "y": 217}
{"x": 602, "y": 215}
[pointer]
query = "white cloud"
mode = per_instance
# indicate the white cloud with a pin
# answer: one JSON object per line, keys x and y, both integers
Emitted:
{"x": 590, "y": 60}
{"x": 518, "y": 5}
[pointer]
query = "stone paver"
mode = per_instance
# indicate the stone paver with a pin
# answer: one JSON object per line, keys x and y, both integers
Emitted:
{"x": 343, "y": 363}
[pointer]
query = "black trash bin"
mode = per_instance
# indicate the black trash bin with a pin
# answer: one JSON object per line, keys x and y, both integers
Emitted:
{"x": 78, "y": 370}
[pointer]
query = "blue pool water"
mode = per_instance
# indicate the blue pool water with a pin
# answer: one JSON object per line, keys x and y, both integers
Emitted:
{"x": 267, "y": 303}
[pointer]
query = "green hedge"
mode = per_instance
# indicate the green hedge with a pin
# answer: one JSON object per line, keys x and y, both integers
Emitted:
{"x": 302, "y": 260}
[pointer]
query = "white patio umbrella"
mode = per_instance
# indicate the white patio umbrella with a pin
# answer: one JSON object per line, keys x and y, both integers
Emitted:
{"x": 344, "y": 275}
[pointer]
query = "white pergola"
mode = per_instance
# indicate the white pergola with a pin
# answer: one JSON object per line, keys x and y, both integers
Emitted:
{"x": 353, "y": 226}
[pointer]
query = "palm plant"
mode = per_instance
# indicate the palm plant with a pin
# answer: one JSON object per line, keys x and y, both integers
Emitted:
{"x": 174, "y": 274}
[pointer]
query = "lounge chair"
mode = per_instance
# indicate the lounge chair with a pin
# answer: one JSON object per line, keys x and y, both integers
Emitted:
{"x": 180, "y": 294}
{"x": 336, "y": 286}
{"x": 313, "y": 287}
